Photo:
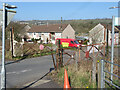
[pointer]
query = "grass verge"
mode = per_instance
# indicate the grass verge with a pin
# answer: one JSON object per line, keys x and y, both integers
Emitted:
{"x": 80, "y": 78}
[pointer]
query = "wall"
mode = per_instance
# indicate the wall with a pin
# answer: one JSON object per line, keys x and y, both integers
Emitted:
{"x": 57, "y": 35}
{"x": 97, "y": 34}
{"x": 44, "y": 36}
{"x": 68, "y": 32}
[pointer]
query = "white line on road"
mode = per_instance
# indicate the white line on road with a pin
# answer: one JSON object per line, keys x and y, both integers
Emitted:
{"x": 23, "y": 71}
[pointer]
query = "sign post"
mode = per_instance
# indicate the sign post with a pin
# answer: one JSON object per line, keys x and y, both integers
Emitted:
{"x": 3, "y": 71}
{"x": 4, "y": 23}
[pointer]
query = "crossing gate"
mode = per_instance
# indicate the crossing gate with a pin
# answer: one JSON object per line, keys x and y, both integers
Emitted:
{"x": 90, "y": 51}
{"x": 64, "y": 55}
{"x": 82, "y": 51}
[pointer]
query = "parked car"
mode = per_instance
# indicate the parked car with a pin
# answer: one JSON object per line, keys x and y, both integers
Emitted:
{"x": 82, "y": 40}
{"x": 29, "y": 41}
{"x": 67, "y": 42}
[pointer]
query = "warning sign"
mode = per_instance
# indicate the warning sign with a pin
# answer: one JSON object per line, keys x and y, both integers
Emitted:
{"x": 41, "y": 47}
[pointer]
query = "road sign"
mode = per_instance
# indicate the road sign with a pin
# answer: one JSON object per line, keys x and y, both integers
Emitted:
{"x": 41, "y": 47}
{"x": 10, "y": 15}
{"x": 117, "y": 21}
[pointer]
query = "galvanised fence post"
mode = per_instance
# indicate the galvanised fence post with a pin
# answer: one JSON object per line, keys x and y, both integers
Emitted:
{"x": 102, "y": 74}
{"x": 98, "y": 63}
{"x": 76, "y": 61}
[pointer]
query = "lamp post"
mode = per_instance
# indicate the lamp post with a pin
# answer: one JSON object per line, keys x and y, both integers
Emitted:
{"x": 112, "y": 47}
{"x": 119, "y": 35}
{"x": 3, "y": 70}
{"x": 118, "y": 16}
{"x": 113, "y": 7}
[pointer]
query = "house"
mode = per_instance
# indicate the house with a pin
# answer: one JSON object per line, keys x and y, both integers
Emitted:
{"x": 117, "y": 35}
{"x": 48, "y": 33}
{"x": 99, "y": 34}
{"x": 25, "y": 29}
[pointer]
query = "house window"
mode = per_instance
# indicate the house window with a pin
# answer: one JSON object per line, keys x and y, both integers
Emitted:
{"x": 53, "y": 33}
{"x": 30, "y": 33}
{"x": 39, "y": 34}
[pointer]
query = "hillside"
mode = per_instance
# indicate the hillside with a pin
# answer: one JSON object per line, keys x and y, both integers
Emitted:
{"x": 84, "y": 26}
{"x": 80, "y": 26}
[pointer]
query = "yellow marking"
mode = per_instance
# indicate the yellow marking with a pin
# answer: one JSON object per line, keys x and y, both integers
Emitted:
{"x": 98, "y": 61}
{"x": 65, "y": 44}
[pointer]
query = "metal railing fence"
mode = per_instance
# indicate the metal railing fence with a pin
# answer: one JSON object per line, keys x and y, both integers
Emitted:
{"x": 104, "y": 76}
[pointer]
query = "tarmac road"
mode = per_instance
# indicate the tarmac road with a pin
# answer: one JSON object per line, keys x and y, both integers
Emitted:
{"x": 25, "y": 71}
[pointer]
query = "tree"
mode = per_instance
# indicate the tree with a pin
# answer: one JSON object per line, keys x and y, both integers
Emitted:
{"x": 19, "y": 31}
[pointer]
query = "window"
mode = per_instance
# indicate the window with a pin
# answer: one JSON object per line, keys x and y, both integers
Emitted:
{"x": 76, "y": 42}
{"x": 30, "y": 33}
{"x": 53, "y": 33}
{"x": 39, "y": 34}
{"x": 72, "y": 42}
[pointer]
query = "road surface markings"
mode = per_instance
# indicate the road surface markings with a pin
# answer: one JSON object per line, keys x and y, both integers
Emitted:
{"x": 37, "y": 83}
{"x": 22, "y": 71}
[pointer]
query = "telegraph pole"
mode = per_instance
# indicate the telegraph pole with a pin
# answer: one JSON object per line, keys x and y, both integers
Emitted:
{"x": 107, "y": 40}
{"x": 61, "y": 23}
{"x": 11, "y": 40}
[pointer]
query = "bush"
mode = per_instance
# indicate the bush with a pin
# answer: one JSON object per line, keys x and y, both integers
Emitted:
{"x": 35, "y": 40}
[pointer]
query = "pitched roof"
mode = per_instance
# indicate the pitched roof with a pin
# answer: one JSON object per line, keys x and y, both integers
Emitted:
{"x": 109, "y": 27}
{"x": 48, "y": 28}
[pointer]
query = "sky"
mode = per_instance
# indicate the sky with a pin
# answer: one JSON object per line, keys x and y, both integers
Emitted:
{"x": 66, "y": 10}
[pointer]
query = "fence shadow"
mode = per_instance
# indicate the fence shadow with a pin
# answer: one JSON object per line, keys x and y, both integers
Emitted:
{"x": 24, "y": 57}
{"x": 37, "y": 80}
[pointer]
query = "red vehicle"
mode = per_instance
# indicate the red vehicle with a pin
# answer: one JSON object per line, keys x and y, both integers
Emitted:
{"x": 67, "y": 42}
